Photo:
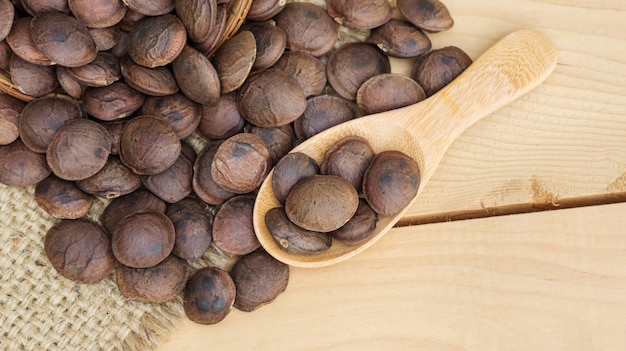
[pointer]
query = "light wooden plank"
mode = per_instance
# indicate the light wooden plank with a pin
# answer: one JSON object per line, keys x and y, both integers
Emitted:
{"x": 552, "y": 280}
{"x": 563, "y": 144}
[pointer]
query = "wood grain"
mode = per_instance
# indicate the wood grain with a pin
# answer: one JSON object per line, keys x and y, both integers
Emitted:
{"x": 561, "y": 145}
{"x": 552, "y": 280}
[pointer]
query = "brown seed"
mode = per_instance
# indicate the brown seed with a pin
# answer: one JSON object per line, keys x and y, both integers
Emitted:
{"x": 390, "y": 182}
{"x": 209, "y": 45}
{"x": 157, "y": 81}
{"x": 7, "y": 14}
{"x": 173, "y": 184}
{"x": 151, "y": 7}
{"x": 120, "y": 50}
{"x": 114, "y": 101}
{"x": 69, "y": 84}
{"x": 10, "y": 109}
{"x": 271, "y": 98}
{"x": 34, "y": 7}
{"x": 232, "y": 228}
{"x": 438, "y": 68}
{"x": 149, "y": 145}
{"x": 360, "y": 227}
{"x": 79, "y": 149}
{"x": 259, "y": 279}
{"x": 20, "y": 166}
{"x": 290, "y": 170}
{"x": 80, "y": 250}
{"x": 63, "y": 38}
{"x": 31, "y": 79}
{"x": 102, "y": 71}
{"x": 156, "y": 41}
{"x": 22, "y": 44}
{"x": 131, "y": 18}
{"x": 115, "y": 130}
{"x": 388, "y": 91}
{"x": 430, "y": 15}
{"x": 182, "y": 114}
{"x": 279, "y": 140}
{"x": 209, "y": 296}
{"x": 359, "y": 14}
{"x": 106, "y": 38}
{"x": 292, "y": 238}
{"x": 241, "y": 163}
{"x": 399, "y": 38}
{"x": 156, "y": 284}
{"x": 98, "y": 13}
{"x": 42, "y": 118}
{"x": 262, "y": 10}
{"x": 198, "y": 16}
{"x": 321, "y": 203}
{"x": 188, "y": 151}
{"x": 113, "y": 180}
{"x": 270, "y": 43}
{"x": 62, "y": 199}
{"x": 194, "y": 226}
{"x": 323, "y": 112}
{"x": 5, "y": 55}
{"x": 354, "y": 63}
{"x": 203, "y": 184}
{"x": 137, "y": 201}
{"x": 196, "y": 76}
{"x": 308, "y": 27}
{"x": 222, "y": 119}
{"x": 234, "y": 59}
{"x": 309, "y": 71}
{"x": 348, "y": 158}
{"x": 143, "y": 239}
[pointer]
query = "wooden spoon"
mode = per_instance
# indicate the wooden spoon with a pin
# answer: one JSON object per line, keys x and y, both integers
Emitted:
{"x": 510, "y": 68}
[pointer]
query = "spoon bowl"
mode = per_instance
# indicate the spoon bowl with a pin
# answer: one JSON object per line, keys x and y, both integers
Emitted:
{"x": 424, "y": 131}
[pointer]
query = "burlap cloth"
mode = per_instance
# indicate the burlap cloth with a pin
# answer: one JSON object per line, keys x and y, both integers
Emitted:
{"x": 40, "y": 310}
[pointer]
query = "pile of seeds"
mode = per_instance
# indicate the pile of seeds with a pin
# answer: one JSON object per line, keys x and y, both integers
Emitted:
{"x": 136, "y": 103}
{"x": 342, "y": 198}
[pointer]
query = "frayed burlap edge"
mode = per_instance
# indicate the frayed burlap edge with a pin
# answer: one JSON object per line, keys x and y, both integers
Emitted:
{"x": 40, "y": 310}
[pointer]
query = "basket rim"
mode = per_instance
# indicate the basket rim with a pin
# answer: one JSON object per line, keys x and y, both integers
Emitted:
{"x": 8, "y": 87}
{"x": 237, "y": 12}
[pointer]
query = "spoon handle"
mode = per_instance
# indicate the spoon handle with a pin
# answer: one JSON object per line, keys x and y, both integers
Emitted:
{"x": 510, "y": 68}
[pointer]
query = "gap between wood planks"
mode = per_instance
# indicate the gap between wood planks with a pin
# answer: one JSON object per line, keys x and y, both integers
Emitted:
{"x": 583, "y": 201}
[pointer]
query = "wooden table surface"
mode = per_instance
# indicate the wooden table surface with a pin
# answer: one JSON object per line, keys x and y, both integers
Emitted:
{"x": 551, "y": 280}
{"x": 541, "y": 281}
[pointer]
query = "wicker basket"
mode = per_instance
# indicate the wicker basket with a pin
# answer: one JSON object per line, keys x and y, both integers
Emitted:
{"x": 237, "y": 11}
{"x": 236, "y": 15}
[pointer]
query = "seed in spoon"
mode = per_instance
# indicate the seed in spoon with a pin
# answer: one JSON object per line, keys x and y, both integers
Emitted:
{"x": 292, "y": 238}
{"x": 390, "y": 182}
{"x": 321, "y": 203}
